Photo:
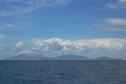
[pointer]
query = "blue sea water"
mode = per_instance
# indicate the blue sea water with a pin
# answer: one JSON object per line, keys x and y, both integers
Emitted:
{"x": 62, "y": 72}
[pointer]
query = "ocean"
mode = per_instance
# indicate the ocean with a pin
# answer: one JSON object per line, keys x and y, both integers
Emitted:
{"x": 63, "y": 72}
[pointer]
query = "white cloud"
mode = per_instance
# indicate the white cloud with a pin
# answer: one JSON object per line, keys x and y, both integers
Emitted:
{"x": 4, "y": 25}
{"x": 19, "y": 46}
{"x": 120, "y": 4}
{"x": 56, "y": 44}
{"x": 17, "y": 7}
{"x": 117, "y": 21}
{"x": 113, "y": 24}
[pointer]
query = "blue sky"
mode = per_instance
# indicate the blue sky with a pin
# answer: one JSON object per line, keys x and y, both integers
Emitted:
{"x": 26, "y": 20}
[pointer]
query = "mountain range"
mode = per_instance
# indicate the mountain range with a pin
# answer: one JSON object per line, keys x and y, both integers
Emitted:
{"x": 63, "y": 57}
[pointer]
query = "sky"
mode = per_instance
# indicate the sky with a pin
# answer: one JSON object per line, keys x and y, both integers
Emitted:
{"x": 90, "y": 28}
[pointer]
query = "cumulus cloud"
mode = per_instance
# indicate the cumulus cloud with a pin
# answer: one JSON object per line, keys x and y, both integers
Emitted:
{"x": 19, "y": 46}
{"x": 113, "y": 24}
{"x": 82, "y": 45}
{"x": 57, "y": 46}
{"x": 17, "y": 7}
{"x": 120, "y": 4}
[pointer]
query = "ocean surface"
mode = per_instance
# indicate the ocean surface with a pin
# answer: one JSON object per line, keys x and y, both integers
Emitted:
{"x": 63, "y": 72}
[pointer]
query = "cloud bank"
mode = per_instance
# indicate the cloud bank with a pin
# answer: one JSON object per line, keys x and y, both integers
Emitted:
{"x": 57, "y": 46}
{"x": 80, "y": 45}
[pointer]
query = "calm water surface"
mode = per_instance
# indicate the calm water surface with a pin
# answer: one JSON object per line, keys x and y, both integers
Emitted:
{"x": 63, "y": 72}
